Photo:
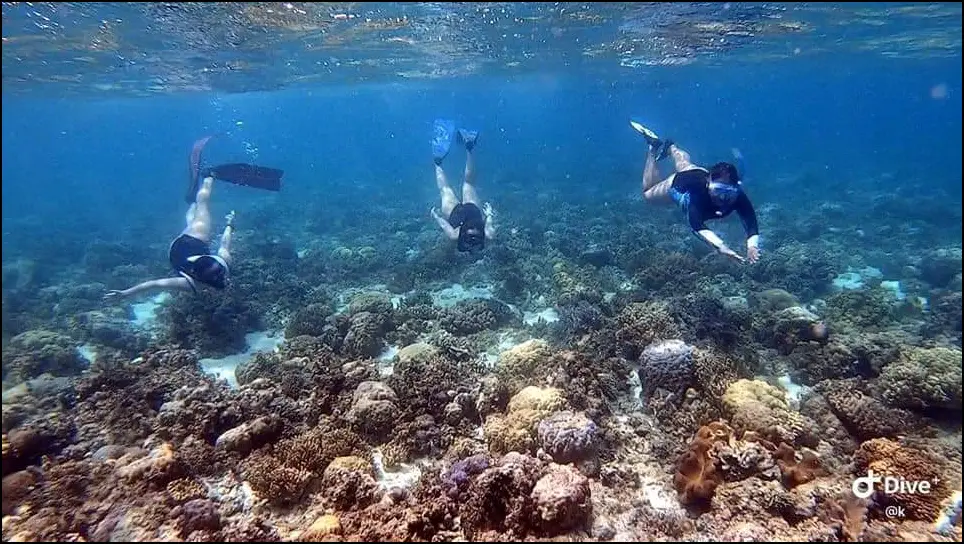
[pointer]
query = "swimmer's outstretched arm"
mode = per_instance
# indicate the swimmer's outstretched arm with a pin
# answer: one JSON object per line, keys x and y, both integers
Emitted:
{"x": 444, "y": 224}
{"x": 179, "y": 283}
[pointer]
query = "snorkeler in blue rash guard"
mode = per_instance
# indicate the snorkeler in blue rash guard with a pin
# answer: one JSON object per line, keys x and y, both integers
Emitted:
{"x": 702, "y": 194}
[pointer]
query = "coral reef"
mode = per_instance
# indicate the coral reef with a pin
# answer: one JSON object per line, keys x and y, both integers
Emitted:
{"x": 524, "y": 364}
{"x": 887, "y": 458}
{"x": 36, "y": 352}
{"x": 666, "y": 365}
{"x": 581, "y": 382}
{"x": 517, "y": 429}
{"x": 283, "y": 473}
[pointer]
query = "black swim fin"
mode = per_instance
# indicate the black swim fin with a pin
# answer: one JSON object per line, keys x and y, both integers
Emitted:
{"x": 248, "y": 175}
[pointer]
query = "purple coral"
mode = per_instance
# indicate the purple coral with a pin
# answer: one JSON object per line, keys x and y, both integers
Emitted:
{"x": 454, "y": 480}
{"x": 666, "y": 365}
{"x": 561, "y": 500}
{"x": 568, "y": 437}
{"x": 197, "y": 515}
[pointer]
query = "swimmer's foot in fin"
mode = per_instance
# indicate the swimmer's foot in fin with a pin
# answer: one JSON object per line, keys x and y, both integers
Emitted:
{"x": 468, "y": 138}
{"x": 443, "y": 131}
{"x": 660, "y": 147}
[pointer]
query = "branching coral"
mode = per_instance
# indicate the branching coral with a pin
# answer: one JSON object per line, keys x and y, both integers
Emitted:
{"x": 287, "y": 470}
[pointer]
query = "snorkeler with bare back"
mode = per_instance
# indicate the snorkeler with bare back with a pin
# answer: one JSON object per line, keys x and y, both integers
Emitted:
{"x": 190, "y": 253}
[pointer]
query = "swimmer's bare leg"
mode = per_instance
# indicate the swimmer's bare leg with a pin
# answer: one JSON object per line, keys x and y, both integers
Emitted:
{"x": 681, "y": 159}
{"x": 469, "y": 194}
{"x": 449, "y": 200}
{"x": 199, "y": 215}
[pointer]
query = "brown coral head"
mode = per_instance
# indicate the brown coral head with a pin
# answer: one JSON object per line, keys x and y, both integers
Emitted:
{"x": 696, "y": 475}
{"x": 714, "y": 431}
{"x": 797, "y": 471}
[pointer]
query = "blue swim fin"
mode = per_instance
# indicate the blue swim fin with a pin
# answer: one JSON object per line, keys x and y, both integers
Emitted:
{"x": 468, "y": 138}
{"x": 443, "y": 132}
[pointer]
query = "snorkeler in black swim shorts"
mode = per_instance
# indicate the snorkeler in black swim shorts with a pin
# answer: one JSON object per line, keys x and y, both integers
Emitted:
{"x": 190, "y": 253}
{"x": 464, "y": 221}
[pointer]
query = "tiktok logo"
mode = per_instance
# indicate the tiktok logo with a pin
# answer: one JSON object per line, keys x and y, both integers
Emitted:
{"x": 863, "y": 487}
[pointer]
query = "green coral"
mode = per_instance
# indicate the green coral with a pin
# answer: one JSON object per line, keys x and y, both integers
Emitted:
{"x": 35, "y": 352}
{"x": 573, "y": 284}
{"x": 864, "y": 309}
{"x": 517, "y": 429}
{"x": 924, "y": 378}
{"x": 524, "y": 364}
{"x": 774, "y": 300}
{"x": 376, "y": 303}
{"x": 753, "y": 405}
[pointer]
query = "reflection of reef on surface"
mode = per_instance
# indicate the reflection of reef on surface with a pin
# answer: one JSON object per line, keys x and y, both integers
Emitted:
{"x": 357, "y": 34}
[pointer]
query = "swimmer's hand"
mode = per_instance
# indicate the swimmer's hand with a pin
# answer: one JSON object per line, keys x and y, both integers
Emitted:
{"x": 435, "y": 214}
{"x": 488, "y": 211}
{"x": 114, "y": 295}
{"x": 752, "y": 254}
{"x": 731, "y": 254}
{"x": 230, "y": 219}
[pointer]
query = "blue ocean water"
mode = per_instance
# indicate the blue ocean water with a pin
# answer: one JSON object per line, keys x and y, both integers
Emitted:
{"x": 848, "y": 112}
{"x": 848, "y": 116}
